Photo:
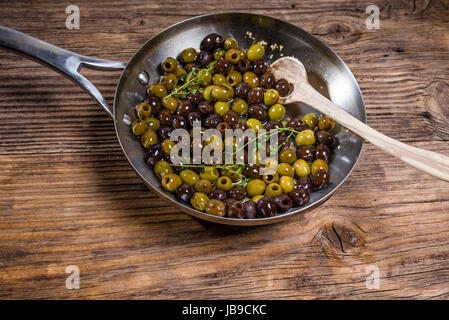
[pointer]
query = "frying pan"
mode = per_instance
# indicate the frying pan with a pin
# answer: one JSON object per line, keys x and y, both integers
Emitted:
{"x": 326, "y": 72}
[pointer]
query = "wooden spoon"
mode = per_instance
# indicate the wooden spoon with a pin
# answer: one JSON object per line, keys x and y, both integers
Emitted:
{"x": 294, "y": 72}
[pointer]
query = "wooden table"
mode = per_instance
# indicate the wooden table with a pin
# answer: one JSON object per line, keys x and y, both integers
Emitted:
{"x": 69, "y": 197}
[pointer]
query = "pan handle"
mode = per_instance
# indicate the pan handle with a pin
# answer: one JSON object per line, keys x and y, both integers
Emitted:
{"x": 63, "y": 61}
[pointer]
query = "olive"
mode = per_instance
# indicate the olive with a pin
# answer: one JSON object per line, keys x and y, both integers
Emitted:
{"x": 287, "y": 156}
{"x": 242, "y": 90}
{"x": 157, "y": 90}
{"x": 305, "y": 152}
{"x": 299, "y": 196}
{"x": 161, "y": 168}
{"x": 168, "y": 81}
{"x": 259, "y": 67}
{"x": 204, "y": 77}
{"x": 305, "y": 183}
{"x": 180, "y": 122}
{"x": 171, "y": 104}
{"x": 221, "y": 108}
{"x": 219, "y": 53}
{"x": 272, "y": 125}
{"x": 205, "y": 108}
{"x": 218, "y": 79}
{"x": 270, "y": 97}
{"x": 283, "y": 202}
{"x": 143, "y": 110}
{"x": 164, "y": 132}
{"x": 199, "y": 200}
{"x": 235, "y": 210}
{"x": 255, "y": 187}
{"x": 251, "y": 78}
{"x": 320, "y": 179}
{"x": 193, "y": 117}
{"x": 190, "y": 66}
{"x": 189, "y": 177}
{"x": 255, "y": 96}
{"x": 231, "y": 118}
{"x": 311, "y": 119}
{"x": 215, "y": 207}
{"x": 218, "y": 194}
{"x": 305, "y": 138}
{"x": 165, "y": 117}
{"x": 138, "y": 127}
{"x": 222, "y": 93}
{"x": 153, "y": 154}
{"x": 326, "y": 123}
{"x": 254, "y": 124}
{"x": 237, "y": 192}
{"x": 276, "y": 112}
{"x": 222, "y": 127}
{"x": 213, "y": 120}
{"x": 249, "y": 209}
{"x": 243, "y": 65}
{"x": 272, "y": 190}
{"x": 204, "y": 186}
{"x": 171, "y": 182}
{"x": 287, "y": 184}
{"x": 252, "y": 171}
{"x": 266, "y": 81}
{"x": 284, "y": 169}
{"x": 282, "y": 86}
{"x": 257, "y": 112}
{"x": 302, "y": 168}
{"x": 209, "y": 173}
{"x": 233, "y": 78}
{"x": 224, "y": 183}
{"x": 322, "y": 152}
{"x": 149, "y": 138}
{"x": 233, "y": 56}
{"x": 241, "y": 126}
{"x": 184, "y": 193}
{"x": 155, "y": 104}
{"x": 204, "y": 58}
{"x": 188, "y": 56}
{"x": 255, "y": 199}
{"x": 211, "y": 42}
{"x": 318, "y": 164}
{"x": 255, "y": 52}
{"x": 207, "y": 93}
{"x": 167, "y": 146}
{"x": 239, "y": 106}
{"x": 230, "y": 43}
{"x": 223, "y": 66}
{"x": 297, "y": 124}
{"x": 169, "y": 65}
{"x": 180, "y": 72}
{"x": 266, "y": 207}
{"x": 271, "y": 178}
{"x": 152, "y": 123}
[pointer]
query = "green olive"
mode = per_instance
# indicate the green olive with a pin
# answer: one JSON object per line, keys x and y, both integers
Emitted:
{"x": 302, "y": 168}
{"x": 317, "y": 165}
{"x": 224, "y": 183}
{"x": 149, "y": 138}
{"x": 157, "y": 90}
{"x": 207, "y": 93}
{"x": 169, "y": 65}
{"x": 168, "y": 81}
{"x": 255, "y": 187}
{"x": 234, "y": 78}
{"x": 199, "y": 201}
{"x": 219, "y": 54}
{"x": 271, "y": 178}
{"x": 221, "y": 107}
{"x": 218, "y": 79}
{"x": 215, "y": 207}
{"x": 239, "y": 106}
{"x": 138, "y": 127}
{"x": 204, "y": 77}
{"x": 255, "y": 52}
{"x": 152, "y": 123}
{"x": 285, "y": 169}
{"x": 209, "y": 173}
{"x": 251, "y": 78}
{"x": 161, "y": 168}
{"x": 188, "y": 55}
{"x": 229, "y": 171}
{"x": 222, "y": 93}
{"x": 171, "y": 182}
{"x": 204, "y": 186}
{"x": 143, "y": 110}
{"x": 288, "y": 156}
{"x": 232, "y": 55}
{"x": 326, "y": 123}
{"x": 270, "y": 97}
{"x": 276, "y": 112}
{"x": 170, "y": 103}
{"x": 167, "y": 146}
{"x": 305, "y": 138}
{"x": 230, "y": 43}
{"x": 180, "y": 71}
{"x": 254, "y": 124}
{"x": 273, "y": 190}
{"x": 311, "y": 119}
{"x": 287, "y": 184}
{"x": 189, "y": 176}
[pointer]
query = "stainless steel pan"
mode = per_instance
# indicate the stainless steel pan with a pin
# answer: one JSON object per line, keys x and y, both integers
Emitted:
{"x": 326, "y": 71}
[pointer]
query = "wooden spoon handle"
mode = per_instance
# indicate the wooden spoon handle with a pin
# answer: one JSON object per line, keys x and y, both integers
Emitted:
{"x": 430, "y": 162}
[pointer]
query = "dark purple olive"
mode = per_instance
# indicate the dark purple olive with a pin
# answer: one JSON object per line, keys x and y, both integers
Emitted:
{"x": 322, "y": 152}
{"x": 256, "y": 111}
{"x": 305, "y": 183}
{"x": 305, "y": 153}
{"x": 195, "y": 98}
{"x": 165, "y": 117}
{"x": 282, "y": 86}
{"x": 213, "y": 120}
{"x": 273, "y": 125}
{"x": 193, "y": 116}
{"x": 335, "y": 142}
{"x": 204, "y": 58}
{"x": 259, "y": 67}
{"x": 229, "y": 201}
{"x": 190, "y": 66}
{"x": 237, "y": 192}
{"x": 164, "y": 132}
{"x": 184, "y": 108}
{"x": 320, "y": 179}
{"x": 323, "y": 137}
{"x": 266, "y": 81}
{"x": 249, "y": 209}
{"x": 255, "y": 96}
{"x": 299, "y": 196}
{"x": 235, "y": 210}
{"x": 231, "y": 118}
{"x": 297, "y": 124}
{"x": 252, "y": 171}
{"x": 155, "y": 104}
{"x": 266, "y": 207}
{"x": 184, "y": 193}
{"x": 241, "y": 125}
{"x": 205, "y": 108}
{"x": 223, "y": 66}
{"x": 218, "y": 194}
{"x": 243, "y": 65}
{"x": 211, "y": 42}
{"x": 282, "y": 202}
{"x": 180, "y": 122}
{"x": 242, "y": 90}
{"x": 153, "y": 154}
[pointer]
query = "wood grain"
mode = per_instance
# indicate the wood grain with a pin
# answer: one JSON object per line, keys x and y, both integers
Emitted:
{"x": 69, "y": 197}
